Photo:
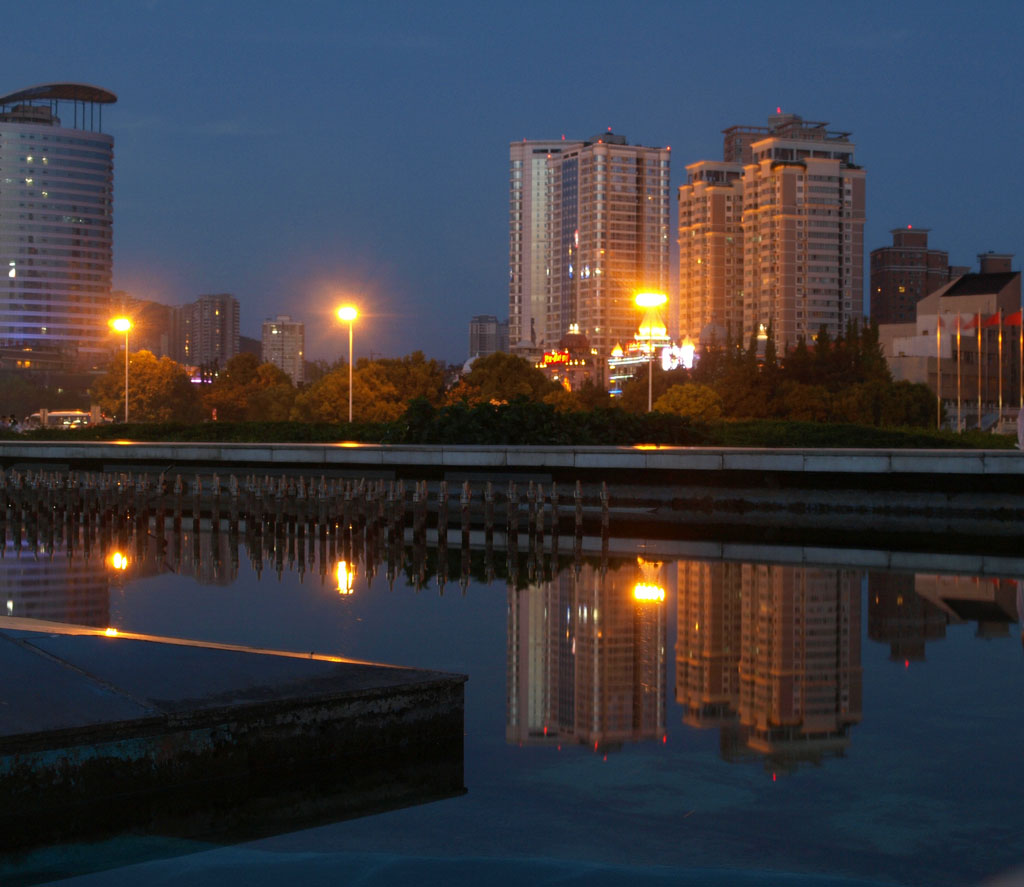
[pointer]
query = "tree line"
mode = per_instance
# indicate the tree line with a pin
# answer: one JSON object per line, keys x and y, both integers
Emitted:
{"x": 845, "y": 380}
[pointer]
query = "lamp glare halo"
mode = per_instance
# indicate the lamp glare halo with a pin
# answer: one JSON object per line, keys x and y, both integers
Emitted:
{"x": 650, "y": 300}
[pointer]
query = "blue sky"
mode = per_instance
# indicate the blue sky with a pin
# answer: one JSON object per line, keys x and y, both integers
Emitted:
{"x": 299, "y": 154}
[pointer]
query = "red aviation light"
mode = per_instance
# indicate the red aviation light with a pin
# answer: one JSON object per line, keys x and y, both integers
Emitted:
{"x": 906, "y": 663}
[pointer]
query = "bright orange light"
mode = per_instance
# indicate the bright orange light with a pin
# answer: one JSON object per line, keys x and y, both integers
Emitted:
{"x": 121, "y": 324}
{"x": 651, "y": 300}
{"x": 346, "y": 578}
{"x": 348, "y": 313}
{"x": 111, "y": 632}
{"x": 119, "y": 561}
{"x": 644, "y": 592}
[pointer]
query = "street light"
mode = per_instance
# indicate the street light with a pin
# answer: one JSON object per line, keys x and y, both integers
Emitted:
{"x": 124, "y": 325}
{"x": 349, "y": 313}
{"x": 650, "y": 301}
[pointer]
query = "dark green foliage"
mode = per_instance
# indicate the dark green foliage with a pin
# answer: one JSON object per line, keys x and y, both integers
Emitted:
{"x": 524, "y": 422}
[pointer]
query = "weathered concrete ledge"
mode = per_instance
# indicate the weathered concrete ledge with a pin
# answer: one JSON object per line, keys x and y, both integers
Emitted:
{"x": 411, "y": 460}
{"x": 100, "y": 734}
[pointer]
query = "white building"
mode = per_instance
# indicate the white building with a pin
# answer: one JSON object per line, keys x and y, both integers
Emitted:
{"x": 284, "y": 345}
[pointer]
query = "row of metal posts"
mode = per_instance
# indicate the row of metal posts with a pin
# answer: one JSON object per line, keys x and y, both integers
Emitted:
{"x": 46, "y": 506}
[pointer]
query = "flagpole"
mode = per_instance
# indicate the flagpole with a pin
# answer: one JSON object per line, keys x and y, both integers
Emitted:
{"x": 979, "y": 370}
{"x": 938, "y": 370}
{"x": 999, "y": 312}
{"x": 959, "y": 422}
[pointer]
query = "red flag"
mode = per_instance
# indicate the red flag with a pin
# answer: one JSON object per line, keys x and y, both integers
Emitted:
{"x": 993, "y": 320}
{"x": 1013, "y": 319}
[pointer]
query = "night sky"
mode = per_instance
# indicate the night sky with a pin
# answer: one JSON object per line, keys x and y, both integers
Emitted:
{"x": 302, "y": 154}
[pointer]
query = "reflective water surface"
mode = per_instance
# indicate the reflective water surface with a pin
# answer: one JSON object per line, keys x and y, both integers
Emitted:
{"x": 712, "y": 719}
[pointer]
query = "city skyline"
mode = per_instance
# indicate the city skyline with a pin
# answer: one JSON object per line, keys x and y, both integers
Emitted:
{"x": 341, "y": 152}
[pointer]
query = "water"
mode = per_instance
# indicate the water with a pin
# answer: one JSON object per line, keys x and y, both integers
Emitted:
{"x": 764, "y": 722}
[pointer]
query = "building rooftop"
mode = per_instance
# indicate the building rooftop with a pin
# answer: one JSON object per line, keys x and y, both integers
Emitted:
{"x": 72, "y": 92}
{"x": 980, "y": 284}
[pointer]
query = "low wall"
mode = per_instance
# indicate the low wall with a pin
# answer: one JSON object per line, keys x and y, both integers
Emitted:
{"x": 934, "y": 499}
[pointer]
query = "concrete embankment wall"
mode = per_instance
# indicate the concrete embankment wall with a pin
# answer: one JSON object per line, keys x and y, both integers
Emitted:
{"x": 968, "y": 495}
{"x": 100, "y": 733}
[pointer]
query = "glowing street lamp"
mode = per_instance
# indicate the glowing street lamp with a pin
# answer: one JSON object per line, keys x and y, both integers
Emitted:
{"x": 349, "y": 313}
{"x": 650, "y": 301}
{"x": 124, "y": 325}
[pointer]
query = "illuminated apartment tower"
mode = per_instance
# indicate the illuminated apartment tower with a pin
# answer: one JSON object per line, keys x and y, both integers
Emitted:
{"x": 587, "y": 231}
{"x": 532, "y": 168}
{"x": 284, "y": 345}
{"x": 209, "y": 330}
{"x": 711, "y": 250}
{"x": 56, "y": 226}
{"x": 803, "y": 232}
{"x": 802, "y": 221}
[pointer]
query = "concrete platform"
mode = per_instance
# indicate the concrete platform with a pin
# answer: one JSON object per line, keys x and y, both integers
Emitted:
{"x": 100, "y": 734}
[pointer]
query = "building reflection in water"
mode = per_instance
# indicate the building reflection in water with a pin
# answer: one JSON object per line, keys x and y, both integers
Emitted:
{"x": 768, "y": 654}
{"x": 586, "y": 657}
{"x": 771, "y": 656}
{"x": 43, "y": 584}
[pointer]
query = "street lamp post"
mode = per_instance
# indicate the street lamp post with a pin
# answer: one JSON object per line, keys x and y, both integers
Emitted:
{"x": 650, "y": 301}
{"x": 349, "y": 313}
{"x": 124, "y": 325}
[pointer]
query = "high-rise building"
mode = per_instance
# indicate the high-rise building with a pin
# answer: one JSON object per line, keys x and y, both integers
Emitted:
{"x": 906, "y": 272}
{"x": 487, "y": 335}
{"x": 208, "y": 330}
{"x": 56, "y": 226}
{"x": 532, "y": 168}
{"x": 284, "y": 345}
{"x": 801, "y": 223}
{"x": 589, "y": 227}
{"x": 711, "y": 250}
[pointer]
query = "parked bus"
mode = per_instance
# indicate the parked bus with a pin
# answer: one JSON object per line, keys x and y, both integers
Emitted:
{"x": 62, "y": 419}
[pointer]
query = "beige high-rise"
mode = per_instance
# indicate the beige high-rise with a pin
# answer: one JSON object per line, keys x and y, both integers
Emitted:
{"x": 801, "y": 224}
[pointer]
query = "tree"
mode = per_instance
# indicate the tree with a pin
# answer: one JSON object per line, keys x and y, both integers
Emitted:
{"x": 501, "y": 378}
{"x": 159, "y": 390}
{"x": 248, "y": 391}
{"x": 412, "y": 376}
{"x": 802, "y": 403}
{"x": 699, "y": 403}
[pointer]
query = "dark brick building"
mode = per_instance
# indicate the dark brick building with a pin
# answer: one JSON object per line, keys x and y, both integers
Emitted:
{"x": 906, "y": 272}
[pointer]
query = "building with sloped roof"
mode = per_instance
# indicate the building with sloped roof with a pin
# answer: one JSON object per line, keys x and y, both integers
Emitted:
{"x": 965, "y": 343}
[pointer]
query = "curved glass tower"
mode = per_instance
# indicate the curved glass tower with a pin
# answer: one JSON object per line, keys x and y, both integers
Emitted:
{"x": 56, "y": 227}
